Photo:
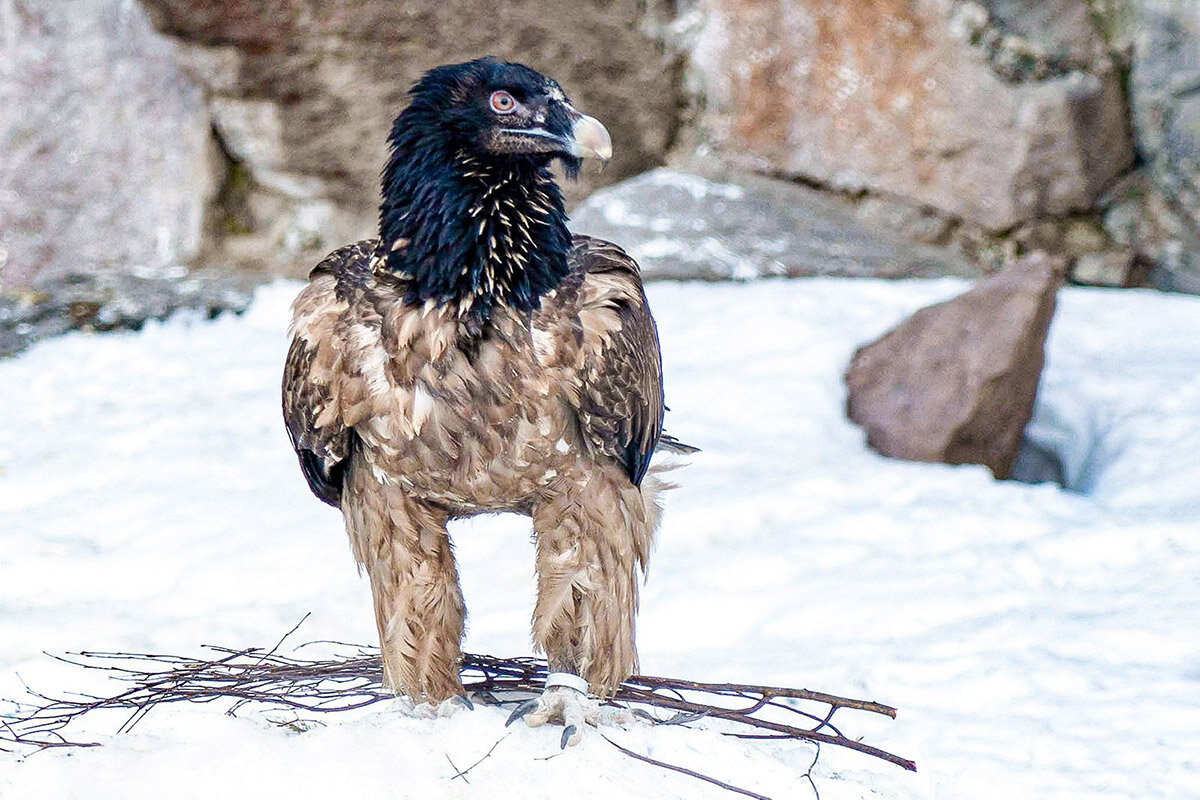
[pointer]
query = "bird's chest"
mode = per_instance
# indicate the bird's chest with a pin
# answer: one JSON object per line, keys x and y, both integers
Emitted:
{"x": 474, "y": 428}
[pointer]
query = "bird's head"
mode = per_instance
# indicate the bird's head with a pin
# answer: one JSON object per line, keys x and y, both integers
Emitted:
{"x": 498, "y": 112}
{"x": 471, "y": 212}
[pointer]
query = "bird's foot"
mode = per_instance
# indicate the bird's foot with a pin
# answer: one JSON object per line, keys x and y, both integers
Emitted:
{"x": 564, "y": 700}
{"x": 430, "y": 709}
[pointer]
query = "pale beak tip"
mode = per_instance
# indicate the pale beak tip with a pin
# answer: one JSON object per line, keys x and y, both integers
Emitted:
{"x": 591, "y": 139}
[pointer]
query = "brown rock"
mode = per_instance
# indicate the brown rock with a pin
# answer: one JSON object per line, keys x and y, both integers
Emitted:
{"x": 304, "y": 94}
{"x": 955, "y": 382}
{"x": 924, "y": 99}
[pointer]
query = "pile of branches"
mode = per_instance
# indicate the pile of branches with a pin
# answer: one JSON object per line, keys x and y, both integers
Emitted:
{"x": 353, "y": 679}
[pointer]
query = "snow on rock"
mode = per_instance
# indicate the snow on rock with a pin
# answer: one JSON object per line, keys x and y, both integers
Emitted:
{"x": 681, "y": 226}
{"x": 1038, "y": 643}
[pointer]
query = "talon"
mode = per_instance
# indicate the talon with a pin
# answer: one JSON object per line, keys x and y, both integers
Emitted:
{"x": 521, "y": 710}
{"x": 568, "y": 732}
{"x": 451, "y": 705}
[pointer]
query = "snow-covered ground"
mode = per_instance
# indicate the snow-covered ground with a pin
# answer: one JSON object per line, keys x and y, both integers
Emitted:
{"x": 1038, "y": 643}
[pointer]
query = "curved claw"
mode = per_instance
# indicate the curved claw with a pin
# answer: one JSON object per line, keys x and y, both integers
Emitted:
{"x": 452, "y": 705}
{"x": 568, "y": 732}
{"x": 521, "y": 710}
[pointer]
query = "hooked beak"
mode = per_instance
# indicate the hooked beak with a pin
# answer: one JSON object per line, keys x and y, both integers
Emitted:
{"x": 590, "y": 139}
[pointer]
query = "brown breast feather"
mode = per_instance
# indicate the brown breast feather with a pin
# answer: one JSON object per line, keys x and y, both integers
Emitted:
{"x": 361, "y": 358}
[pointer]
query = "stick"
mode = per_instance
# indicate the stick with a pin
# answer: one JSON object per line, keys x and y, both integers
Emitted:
{"x": 355, "y": 680}
{"x": 684, "y": 770}
{"x": 463, "y": 773}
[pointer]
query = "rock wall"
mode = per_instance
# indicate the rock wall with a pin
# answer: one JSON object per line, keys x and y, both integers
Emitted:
{"x": 1165, "y": 88}
{"x": 1161, "y": 216}
{"x": 140, "y": 135}
{"x": 303, "y": 95}
{"x": 251, "y": 134}
{"x": 105, "y": 156}
{"x": 996, "y": 114}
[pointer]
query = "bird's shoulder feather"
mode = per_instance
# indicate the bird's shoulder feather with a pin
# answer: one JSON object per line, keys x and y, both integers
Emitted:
{"x": 620, "y": 401}
{"x": 317, "y": 390}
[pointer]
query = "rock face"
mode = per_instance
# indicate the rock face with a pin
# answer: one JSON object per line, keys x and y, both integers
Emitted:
{"x": 930, "y": 100}
{"x": 683, "y": 226}
{"x": 1139, "y": 215}
{"x": 242, "y": 134}
{"x": 303, "y": 95}
{"x": 105, "y": 155}
{"x": 1165, "y": 91}
{"x": 1165, "y": 87}
{"x": 955, "y": 382}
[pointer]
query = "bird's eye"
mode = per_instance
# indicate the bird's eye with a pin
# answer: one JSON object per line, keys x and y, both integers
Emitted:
{"x": 503, "y": 102}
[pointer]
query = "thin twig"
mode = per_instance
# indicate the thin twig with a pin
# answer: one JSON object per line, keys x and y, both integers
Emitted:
{"x": 685, "y": 771}
{"x": 457, "y": 772}
{"x": 808, "y": 772}
{"x": 463, "y": 773}
{"x": 773, "y": 691}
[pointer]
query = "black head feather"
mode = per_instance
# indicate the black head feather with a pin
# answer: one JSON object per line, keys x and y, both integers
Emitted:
{"x": 470, "y": 211}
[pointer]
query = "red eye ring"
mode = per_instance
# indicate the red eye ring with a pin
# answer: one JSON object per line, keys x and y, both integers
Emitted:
{"x": 502, "y": 102}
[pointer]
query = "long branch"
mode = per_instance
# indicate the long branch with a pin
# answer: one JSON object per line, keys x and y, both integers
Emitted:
{"x": 354, "y": 681}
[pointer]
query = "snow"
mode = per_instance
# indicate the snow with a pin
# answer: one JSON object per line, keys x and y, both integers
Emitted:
{"x": 1038, "y": 643}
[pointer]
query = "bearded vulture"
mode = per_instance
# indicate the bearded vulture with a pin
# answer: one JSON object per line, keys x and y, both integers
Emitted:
{"x": 476, "y": 358}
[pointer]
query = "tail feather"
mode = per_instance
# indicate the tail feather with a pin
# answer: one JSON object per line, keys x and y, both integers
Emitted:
{"x": 670, "y": 444}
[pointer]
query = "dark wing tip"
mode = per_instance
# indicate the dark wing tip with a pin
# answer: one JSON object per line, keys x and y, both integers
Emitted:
{"x": 636, "y": 462}
{"x": 325, "y": 483}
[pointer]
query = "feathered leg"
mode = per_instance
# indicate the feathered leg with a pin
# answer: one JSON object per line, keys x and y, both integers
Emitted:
{"x": 591, "y": 538}
{"x": 419, "y": 610}
{"x": 592, "y": 534}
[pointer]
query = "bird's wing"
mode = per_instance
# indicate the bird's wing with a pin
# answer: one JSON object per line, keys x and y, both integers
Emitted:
{"x": 621, "y": 402}
{"x": 318, "y": 384}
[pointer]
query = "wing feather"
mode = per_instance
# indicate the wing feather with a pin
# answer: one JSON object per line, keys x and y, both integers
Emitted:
{"x": 621, "y": 403}
{"x": 316, "y": 392}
